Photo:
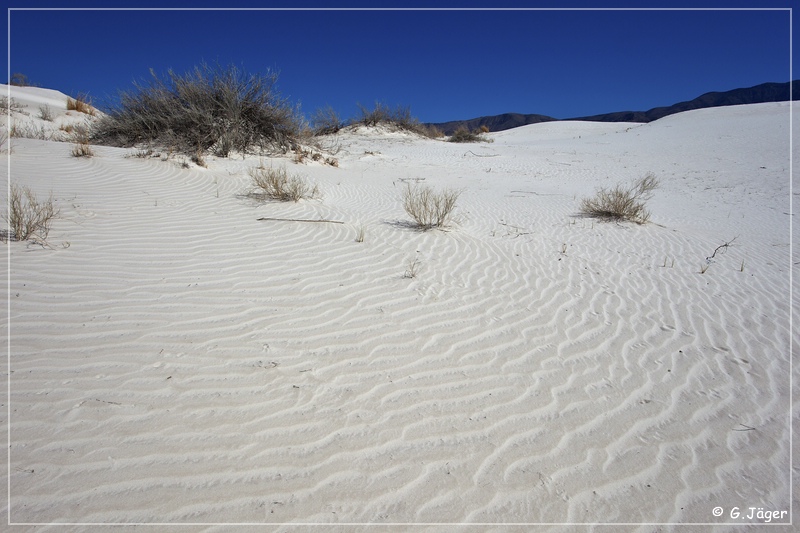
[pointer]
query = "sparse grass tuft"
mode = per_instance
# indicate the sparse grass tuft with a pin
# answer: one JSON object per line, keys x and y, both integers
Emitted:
{"x": 28, "y": 217}
{"x": 80, "y": 104}
{"x": 45, "y": 113}
{"x": 277, "y": 184}
{"x": 82, "y": 150}
{"x": 412, "y": 268}
{"x": 428, "y": 208}
{"x": 622, "y": 203}
{"x": 361, "y": 232}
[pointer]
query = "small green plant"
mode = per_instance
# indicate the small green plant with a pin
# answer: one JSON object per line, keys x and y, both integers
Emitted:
{"x": 28, "y": 217}
{"x": 428, "y": 208}
{"x": 622, "y": 203}
{"x": 277, "y": 184}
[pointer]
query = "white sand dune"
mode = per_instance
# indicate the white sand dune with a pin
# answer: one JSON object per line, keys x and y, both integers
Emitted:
{"x": 176, "y": 360}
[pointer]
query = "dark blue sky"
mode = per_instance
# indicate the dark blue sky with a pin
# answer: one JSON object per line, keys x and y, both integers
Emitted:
{"x": 444, "y": 65}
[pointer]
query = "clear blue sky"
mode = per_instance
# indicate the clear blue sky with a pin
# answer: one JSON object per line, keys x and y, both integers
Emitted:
{"x": 444, "y": 65}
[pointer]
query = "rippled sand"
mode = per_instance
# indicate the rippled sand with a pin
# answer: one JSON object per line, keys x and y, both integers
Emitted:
{"x": 176, "y": 360}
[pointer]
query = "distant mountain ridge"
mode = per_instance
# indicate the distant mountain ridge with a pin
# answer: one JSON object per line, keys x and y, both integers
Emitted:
{"x": 765, "y": 92}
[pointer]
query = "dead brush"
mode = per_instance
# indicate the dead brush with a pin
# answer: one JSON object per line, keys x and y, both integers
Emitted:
{"x": 622, "y": 203}
{"x": 28, "y": 217}
{"x": 80, "y": 104}
{"x": 277, "y": 184}
{"x": 81, "y": 148}
{"x": 428, "y": 208}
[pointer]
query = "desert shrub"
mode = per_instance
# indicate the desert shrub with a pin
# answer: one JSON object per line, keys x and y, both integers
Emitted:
{"x": 82, "y": 150}
{"x": 399, "y": 118}
{"x": 428, "y": 208}
{"x": 326, "y": 121}
{"x": 11, "y": 106}
{"x": 372, "y": 117}
{"x": 463, "y": 135}
{"x": 45, "y": 113}
{"x": 28, "y": 217}
{"x": 80, "y": 104}
{"x": 209, "y": 108}
{"x": 430, "y": 131}
{"x": 198, "y": 159}
{"x": 80, "y": 136}
{"x": 622, "y": 203}
{"x": 19, "y": 79}
{"x": 277, "y": 184}
{"x": 28, "y": 130}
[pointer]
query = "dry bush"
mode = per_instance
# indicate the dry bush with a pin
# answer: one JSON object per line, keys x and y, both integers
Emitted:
{"x": 45, "y": 113}
{"x": 82, "y": 150}
{"x": 80, "y": 104}
{"x": 428, "y": 208}
{"x": 399, "y": 118}
{"x": 326, "y": 121}
{"x": 19, "y": 79}
{"x": 622, "y": 203}
{"x": 412, "y": 268}
{"x": 380, "y": 114}
{"x": 80, "y": 136}
{"x": 198, "y": 159}
{"x": 209, "y": 108}
{"x": 28, "y": 217}
{"x": 277, "y": 184}
{"x": 28, "y": 130}
{"x": 11, "y": 106}
{"x": 463, "y": 135}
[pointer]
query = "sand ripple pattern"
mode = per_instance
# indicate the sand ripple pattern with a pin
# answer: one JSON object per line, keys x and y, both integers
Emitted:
{"x": 176, "y": 360}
